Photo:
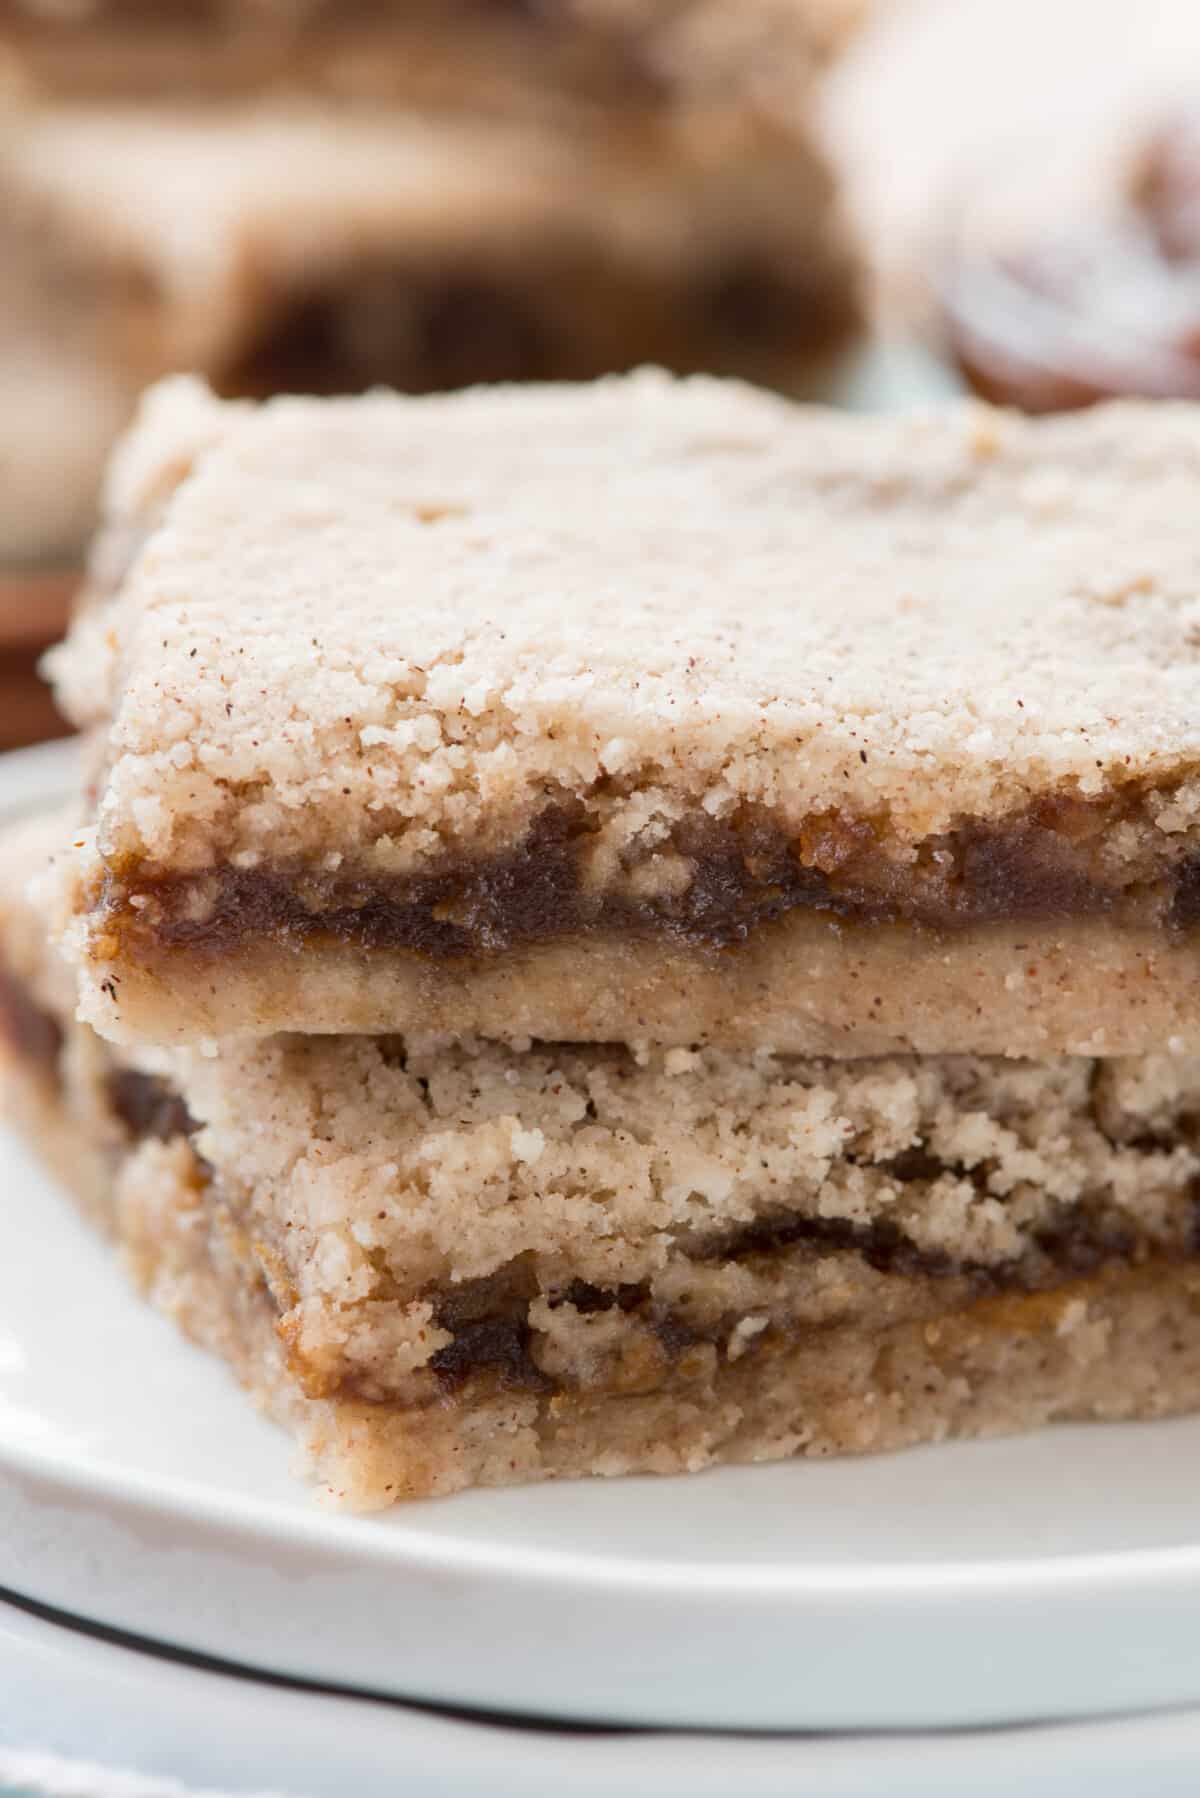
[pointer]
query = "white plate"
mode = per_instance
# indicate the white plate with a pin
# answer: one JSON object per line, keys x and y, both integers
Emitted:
{"x": 1053, "y": 1576}
{"x": 64, "y": 1693}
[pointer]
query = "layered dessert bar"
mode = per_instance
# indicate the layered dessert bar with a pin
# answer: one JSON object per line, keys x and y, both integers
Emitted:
{"x": 453, "y": 1264}
{"x": 508, "y": 198}
{"x": 645, "y": 711}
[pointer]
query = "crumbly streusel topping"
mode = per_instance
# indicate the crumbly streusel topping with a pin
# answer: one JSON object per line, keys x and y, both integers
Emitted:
{"x": 376, "y": 1167}
{"x": 387, "y": 628}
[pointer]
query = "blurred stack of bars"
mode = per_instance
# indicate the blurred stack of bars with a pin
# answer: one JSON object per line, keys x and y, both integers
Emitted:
{"x": 424, "y": 194}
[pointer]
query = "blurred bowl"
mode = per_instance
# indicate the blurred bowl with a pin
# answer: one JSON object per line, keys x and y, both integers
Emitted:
{"x": 1052, "y": 295}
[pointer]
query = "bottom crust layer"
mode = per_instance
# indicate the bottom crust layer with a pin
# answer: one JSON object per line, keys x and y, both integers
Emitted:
{"x": 804, "y": 984}
{"x": 1123, "y": 1342}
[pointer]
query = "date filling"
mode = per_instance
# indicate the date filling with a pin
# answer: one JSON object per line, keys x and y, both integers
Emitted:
{"x": 1051, "y": 863}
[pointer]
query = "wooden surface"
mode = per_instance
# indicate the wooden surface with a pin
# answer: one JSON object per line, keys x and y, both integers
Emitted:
{"x": 33, "y": 614}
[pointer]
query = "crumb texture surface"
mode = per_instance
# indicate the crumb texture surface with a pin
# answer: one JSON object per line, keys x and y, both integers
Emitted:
{"x": 452, "y": 1158}
{"x": 384, "y": 628}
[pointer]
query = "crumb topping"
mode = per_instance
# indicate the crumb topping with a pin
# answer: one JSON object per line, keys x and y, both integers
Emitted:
{"x": 384, "y": 628}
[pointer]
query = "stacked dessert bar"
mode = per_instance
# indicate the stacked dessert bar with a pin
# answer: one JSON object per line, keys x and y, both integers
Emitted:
{"x": 422, "y": 193}
{"x": 624, "y": 927}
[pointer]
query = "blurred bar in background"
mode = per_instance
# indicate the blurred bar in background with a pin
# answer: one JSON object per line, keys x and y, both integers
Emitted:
{"x": 417, "y": 193}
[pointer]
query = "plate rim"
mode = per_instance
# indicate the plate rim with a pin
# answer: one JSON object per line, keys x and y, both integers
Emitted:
{"x": 1028, "y": 1577}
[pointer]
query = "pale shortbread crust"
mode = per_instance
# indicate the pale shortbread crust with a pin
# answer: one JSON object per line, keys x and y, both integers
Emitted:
{"x": 805, "y": 985}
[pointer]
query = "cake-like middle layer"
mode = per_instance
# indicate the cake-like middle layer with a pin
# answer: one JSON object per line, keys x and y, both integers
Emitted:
{"x": 455, "y": 1264}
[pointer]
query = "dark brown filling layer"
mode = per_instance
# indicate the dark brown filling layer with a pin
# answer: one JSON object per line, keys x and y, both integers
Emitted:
{"x": 145, "y": 1104}
{"x": 570, "y": 314}
{"x": 399, "y": 327}
{"x": 29, "y": 1030}
{"x": 489, "y": 1318}
{"x": 148, "y": 1106}
{"x": 489, "y": 1321}
{"x": 1046, "y": 865}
